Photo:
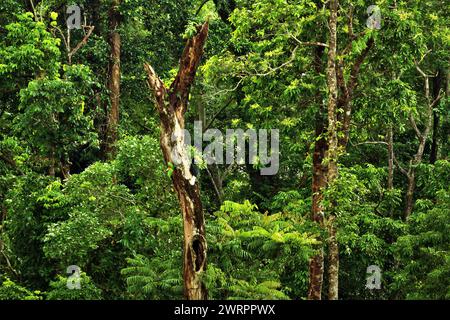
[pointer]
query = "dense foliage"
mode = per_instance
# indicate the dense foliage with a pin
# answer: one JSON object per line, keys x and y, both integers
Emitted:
{"x": 67, "y": 199}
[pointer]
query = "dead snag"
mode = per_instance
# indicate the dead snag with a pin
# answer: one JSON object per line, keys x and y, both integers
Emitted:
{"x": 172, "y": 105}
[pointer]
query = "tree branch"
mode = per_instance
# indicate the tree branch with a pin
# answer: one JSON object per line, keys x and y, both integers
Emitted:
{"x": 349, "y": 88}
{"x": 308, "y": 43}
{"x": 217, "y": 114}
{"x": 414, "y": 125}
{"x": 406, "y": 173}
{"x": 155, "y": 83}
{"x": 81, "y": 43}
{"x": 190, "y": 59}
{"x": 201, "y": 7}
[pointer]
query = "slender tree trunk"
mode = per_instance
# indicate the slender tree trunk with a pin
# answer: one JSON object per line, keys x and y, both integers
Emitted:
{"x": 332, "y": 94}
{"x": 333, "y": 261}
{"x": 336, "y": 81}
{"x": 216, "y": 180}
{"x": 330, "y": 148}
{"x": 113, "y": 79}
{"x": 410, "y": 194}
{"x": 435, "y": 143}
{"x": 316, "y": 276}
{"x": 319, "y": 182}
{"x": 172, "y": 105}
{"x": 332, "y": 154}
{"x": 422, "y": 137}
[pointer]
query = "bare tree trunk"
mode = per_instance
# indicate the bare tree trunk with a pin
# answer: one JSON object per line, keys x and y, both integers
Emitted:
{"x": 333, "y": 261}
{"x": 329, "y": 148}
{"x": 332, "y": 153}
{"x": 172, "y": 105}
{"x": 113, "y": 79}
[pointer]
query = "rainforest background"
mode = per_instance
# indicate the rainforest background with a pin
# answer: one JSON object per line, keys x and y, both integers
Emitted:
{"x": 363, "y": 113}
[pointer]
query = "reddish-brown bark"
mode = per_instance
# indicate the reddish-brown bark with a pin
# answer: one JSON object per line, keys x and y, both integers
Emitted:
{"x": 113, "y": 79}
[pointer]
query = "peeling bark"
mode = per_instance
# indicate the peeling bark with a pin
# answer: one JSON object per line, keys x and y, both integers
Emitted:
{"x": 172, "y": 105}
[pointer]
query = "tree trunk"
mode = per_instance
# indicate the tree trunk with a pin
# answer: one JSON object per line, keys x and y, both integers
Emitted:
{"x": 172, "y": 105}
{"x": 435, "y": 143}
{"x": 113, "y": 79}
{"x": 332, "y": 153}
{"x": 319, "y": 182}
{"x": 316, "y": 276}
{"x": 422, "y": 136}
{"x": 410, "y": 194}
{"x": 333, "y": 261}
{"x": 217, "y": 182}
{"x": 329, "y": 148}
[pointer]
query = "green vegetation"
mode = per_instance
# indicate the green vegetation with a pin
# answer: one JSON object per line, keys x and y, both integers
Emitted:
{"x": 364, "y": 168}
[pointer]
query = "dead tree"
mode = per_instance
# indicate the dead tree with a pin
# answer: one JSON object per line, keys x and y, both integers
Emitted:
{"x": 172, "y": 104}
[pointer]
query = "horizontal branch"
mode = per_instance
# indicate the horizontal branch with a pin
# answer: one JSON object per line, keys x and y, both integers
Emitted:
{"x": 308, "y": 43}
{"x": 370, "y": 142}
